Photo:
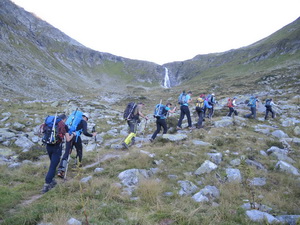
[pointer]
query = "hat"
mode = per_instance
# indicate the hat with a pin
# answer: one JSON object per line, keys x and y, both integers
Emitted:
{"x": 86, "y": 115}
{"x": 202, "y": 95}
{"x": 213, "y": 94}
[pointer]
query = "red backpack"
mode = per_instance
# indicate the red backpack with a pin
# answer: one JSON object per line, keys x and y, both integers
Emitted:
{"x": 229, "y": 103}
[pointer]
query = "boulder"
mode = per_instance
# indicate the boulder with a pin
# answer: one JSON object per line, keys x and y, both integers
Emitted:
{"x": 288, "y": 168}
{"x": 233, "y": 175}
{"x": 206, "y": 167}
{"x": 288, "y": 219}
{"x": 297, "y": 131}
{"x": 175, "y": 137}
{"x": 258, "y": 181}
{"x": 208, "y": 193}
{"x": 215, "y": 157}
{"x": 131, "y": 177}
{"x": 279, "y": 134}
{"x": 258, "y": 216}
{"x": 201, "y": 143}
{"x": 224, "y": 122}
{"x": 187, "y": 187}
{"x": 24, "y": 143}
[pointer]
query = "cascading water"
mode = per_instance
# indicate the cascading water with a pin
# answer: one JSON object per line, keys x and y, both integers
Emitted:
{"x": 167, "y": 79}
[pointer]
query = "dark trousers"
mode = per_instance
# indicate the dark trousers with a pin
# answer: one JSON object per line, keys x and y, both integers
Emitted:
{"x": 184, "y": 110}
{"x": 200, "y": 118}
{"x": 69, "y": 148}
{"x": 269, "y": 109}
{"x": 211, "y": 111}
{"x": 160, "y": 123}
{"x": 232, "y": 110}
{"x": 54, "y": 152}
{"x": 253, "y": 113}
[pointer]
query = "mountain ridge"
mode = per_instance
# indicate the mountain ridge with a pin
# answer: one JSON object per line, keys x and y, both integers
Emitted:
{"x": 40, "y": 59}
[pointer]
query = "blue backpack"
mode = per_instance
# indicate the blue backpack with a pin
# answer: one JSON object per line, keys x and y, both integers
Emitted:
{"x": 182, "y": 98}
{"x": 50, "y": 130}
{"x": 252, "y": 102}
{"x": 72, "y": 122}
{"x": 159, "y": 111}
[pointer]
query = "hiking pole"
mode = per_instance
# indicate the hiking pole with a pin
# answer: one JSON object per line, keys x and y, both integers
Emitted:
{"x": 93, "y": 131}
{"x": 144, "y": 131}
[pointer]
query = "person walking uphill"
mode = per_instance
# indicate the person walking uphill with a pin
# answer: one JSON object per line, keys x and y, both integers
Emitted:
{"x": 268, "y": 105}
{"x": 132, "y": 115}
{"x": 231, "y": 103}
{"x": 253, "y": 105}
{"x": 76, "y": 141}
{"x": 53, "y": 146}
{"x": 184, "y": 100}
{"x": 160, "y": 113}
{"x": 201, "y": 104}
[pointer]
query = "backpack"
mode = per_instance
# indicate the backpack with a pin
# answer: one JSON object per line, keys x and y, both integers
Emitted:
{"x": 209, "y": 99}
{"x": 200, "y": 105}
{"x": 182, "y": 98}
{"x": 268, "y": 103}
{"x": 50, "y": 130}
{"x": 129, "y": 111}
{"x": 73, "y": 120}
{"x": 159, "y": 111}
{"x": 252, "y": 102}
{"x": 229, "y": 103}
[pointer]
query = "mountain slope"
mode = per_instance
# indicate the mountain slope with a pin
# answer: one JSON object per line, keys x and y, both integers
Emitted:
{"x": 39, "y": 61}
{"x": 275, "y": 56}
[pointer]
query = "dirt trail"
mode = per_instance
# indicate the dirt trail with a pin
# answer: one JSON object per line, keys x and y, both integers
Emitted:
{"x": 31, "y": 199}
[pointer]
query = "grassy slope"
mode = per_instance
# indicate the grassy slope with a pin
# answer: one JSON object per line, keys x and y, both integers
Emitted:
{"x": 101, "y": 201}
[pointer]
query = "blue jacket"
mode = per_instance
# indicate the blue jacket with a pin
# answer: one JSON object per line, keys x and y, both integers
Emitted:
{"x": 206, "y": 105}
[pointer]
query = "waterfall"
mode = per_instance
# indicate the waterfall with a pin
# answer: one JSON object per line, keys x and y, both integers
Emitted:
{"x": 167, "y": 79}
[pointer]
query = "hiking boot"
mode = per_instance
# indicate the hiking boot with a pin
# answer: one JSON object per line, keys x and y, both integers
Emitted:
{"x": 46, "y": 188}
{"x": 61, "y": 174}
{"x": 125, "y": 146}
{"x": 151, "y": 139}
{"x": 53, "y": 183}
{"x": 178, "y": 128}
{"x": 191, "y": 128}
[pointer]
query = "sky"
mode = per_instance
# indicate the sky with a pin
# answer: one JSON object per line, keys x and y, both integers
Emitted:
{"x": 163, "y": 31}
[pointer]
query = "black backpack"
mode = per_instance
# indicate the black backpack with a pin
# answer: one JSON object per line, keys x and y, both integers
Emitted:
{"x": 50, "y": 130}
{"x": 268, "y": 103}
{"x": 129, "y": 111}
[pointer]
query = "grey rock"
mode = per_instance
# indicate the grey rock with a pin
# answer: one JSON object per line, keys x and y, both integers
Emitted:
{"x": 297, "y": 131}
{"x": 98, "y": 170}
{"x": 151, "y": 155}
{"x": 86, "y": 179}
{"x": 235, "y": 162}
{"x": 18, "y": 126}
{"x": 187, "y": 188}
{"x": 172, "y": 176}
{"x": 206, "y": 194}
{"x": 260, "y": 207}
{"x": 175, "y": 137}
{"x": 73, "y": 221}
{"x": 286, "y": 167}
{"x": 131, "y": 177}
{"x": 23, "y": 142}
{"x": 258, "y": 181}
{"x": 233, "y": 175}
{"x": 279, "y": 134}
{"x": 258, "y": 165}
{"x": 258, "y": 216}
{"x": 6, "y": 152}
{"x": 14, "y": 165}
{"x": 288, "y": 219}
{"x": 201, "y": 143}
{"x": 215, "y": 157}
{"x": 224, "y": 122}
{"x": 206, "y": 167}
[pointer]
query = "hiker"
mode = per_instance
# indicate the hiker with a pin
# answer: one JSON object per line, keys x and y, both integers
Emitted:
{"x": 160, "y": 114}
{"x": 211, "y": 101}
{"x": 54, "y": 152}
{"x": 133, "y": 119}
{"x": 184, "y": 100}
{"x": 268, "y": 105}
{"x": 252, "y": 104}
{"x": 77, "y": 142}
{"x": 231, "y": 103}
{"x": 201, "y": 104}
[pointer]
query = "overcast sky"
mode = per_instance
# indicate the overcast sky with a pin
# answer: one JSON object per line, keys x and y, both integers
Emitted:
{"x": 163, "y": 31}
